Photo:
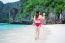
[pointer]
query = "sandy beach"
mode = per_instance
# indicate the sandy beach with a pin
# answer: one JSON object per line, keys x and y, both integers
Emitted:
{"x": 26, "y": 34}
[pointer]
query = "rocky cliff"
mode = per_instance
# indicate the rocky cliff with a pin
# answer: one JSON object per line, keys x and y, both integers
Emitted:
{"x": 6, "y": 8}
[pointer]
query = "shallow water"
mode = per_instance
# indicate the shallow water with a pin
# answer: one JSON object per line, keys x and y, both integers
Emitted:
{"x": 10, "y": 26}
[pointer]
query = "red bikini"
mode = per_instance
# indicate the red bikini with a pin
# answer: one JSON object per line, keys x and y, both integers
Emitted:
{"x": 38, "y": 22}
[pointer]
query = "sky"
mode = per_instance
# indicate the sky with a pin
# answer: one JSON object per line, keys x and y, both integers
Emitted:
{"x": 8, "y": 1}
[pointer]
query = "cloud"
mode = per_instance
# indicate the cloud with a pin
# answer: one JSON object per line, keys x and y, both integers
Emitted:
{"x": 8, "y": 1}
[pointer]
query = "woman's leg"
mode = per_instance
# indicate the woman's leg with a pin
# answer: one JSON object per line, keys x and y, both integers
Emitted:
{"x": 37, "y": 32}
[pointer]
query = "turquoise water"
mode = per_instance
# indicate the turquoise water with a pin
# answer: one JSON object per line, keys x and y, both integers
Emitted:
{"x": 10, "y": 26}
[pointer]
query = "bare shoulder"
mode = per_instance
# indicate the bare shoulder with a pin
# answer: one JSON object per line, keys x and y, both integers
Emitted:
{"x": 41, "y": 16}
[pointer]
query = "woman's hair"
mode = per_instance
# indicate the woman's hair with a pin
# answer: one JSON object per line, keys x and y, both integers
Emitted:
{"x": 37, "y": 14}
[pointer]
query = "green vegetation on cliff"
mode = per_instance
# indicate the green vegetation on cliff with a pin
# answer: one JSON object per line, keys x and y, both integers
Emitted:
{"x": 29, "y": 6}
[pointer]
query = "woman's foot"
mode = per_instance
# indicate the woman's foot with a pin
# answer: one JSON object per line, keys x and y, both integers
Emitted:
{"x": 36, "y": 38}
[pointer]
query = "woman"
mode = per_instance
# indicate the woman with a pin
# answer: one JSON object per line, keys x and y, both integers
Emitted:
{"x": 37, "y": 22}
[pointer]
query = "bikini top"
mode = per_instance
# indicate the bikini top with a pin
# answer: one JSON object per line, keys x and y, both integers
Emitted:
{"x": 38, "y": 21}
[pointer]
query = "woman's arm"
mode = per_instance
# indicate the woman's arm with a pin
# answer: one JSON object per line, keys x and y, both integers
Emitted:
{"x": 42, "y": 18}
{"x": 33, "y": 19}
